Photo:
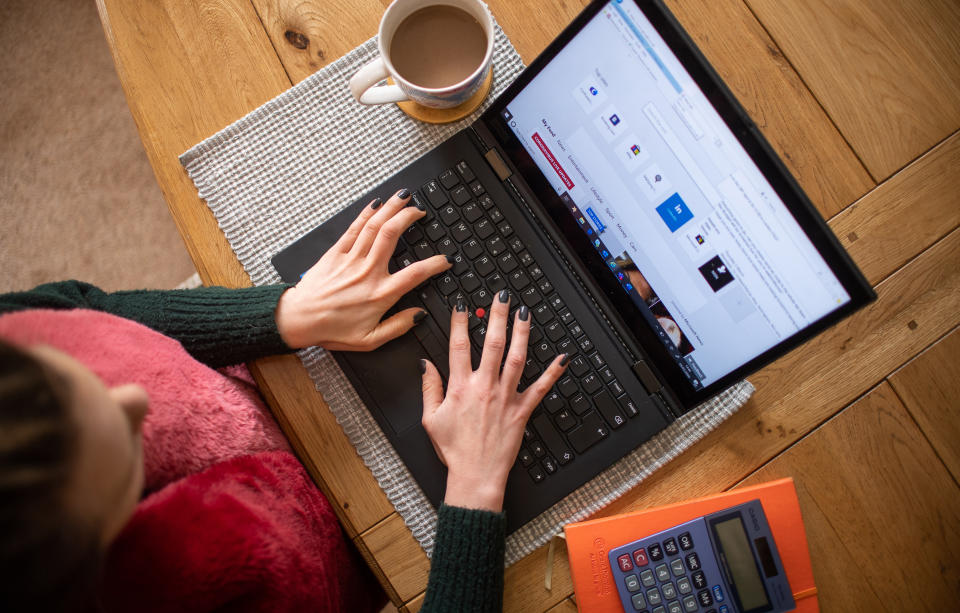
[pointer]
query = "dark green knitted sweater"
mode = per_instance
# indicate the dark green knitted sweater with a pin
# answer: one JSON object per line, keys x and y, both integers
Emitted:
{"x": 220, "y": 326}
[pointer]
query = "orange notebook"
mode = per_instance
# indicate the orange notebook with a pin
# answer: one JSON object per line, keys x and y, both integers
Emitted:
{"x": 589, "y": 541}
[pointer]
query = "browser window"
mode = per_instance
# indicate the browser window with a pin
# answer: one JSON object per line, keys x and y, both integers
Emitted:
{"x": 684, "y": 219}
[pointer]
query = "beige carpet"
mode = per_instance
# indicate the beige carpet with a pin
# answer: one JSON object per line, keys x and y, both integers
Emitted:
{"x": 77, "y": 196}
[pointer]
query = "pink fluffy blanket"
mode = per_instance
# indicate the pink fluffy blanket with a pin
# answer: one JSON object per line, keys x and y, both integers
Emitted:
{"x": 231, "y": 518}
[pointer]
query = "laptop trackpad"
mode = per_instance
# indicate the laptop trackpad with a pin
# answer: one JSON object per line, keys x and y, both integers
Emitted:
{"x": 391, "y": 376}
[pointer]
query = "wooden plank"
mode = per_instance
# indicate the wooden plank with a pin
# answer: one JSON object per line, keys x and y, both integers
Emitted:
{"x": 524, "y": 587}
{"x": 189, "y": 69}
{"x": 414, "y": 605}
{"x": 905, "y": 214}
{"x": 321, "y": 445}
{"x": 754, "y": 69}
{"x": 530, "y": 27}
{"x": 400, "y": 561}
{"x": 566, "y": 605}
{"x": 308, "y": 35}
{"x": 887, "y": 71}
{"x": 929, "y": 386}
{"x": 893, "y": 510}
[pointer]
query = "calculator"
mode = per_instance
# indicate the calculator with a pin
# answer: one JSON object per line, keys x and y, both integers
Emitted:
{"x": 724, "y": 562}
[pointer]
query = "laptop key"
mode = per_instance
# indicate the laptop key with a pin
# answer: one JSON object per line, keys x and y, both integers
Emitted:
{"x": 554, "y": 331}
{"x": 412, "y": 234}
{"x": 544, "y": 285}
{"x": 590, "y": 432}
{"x": 423, "y": 250}
{"x": 434, "y": 230}
{"x": 525, "y": 258}
{"x": 550, "y": 436}
{"x": 567, "y": 386}
{"x": 519, "y": 280}
{"x": 505, "y": 229}
{"x": 553, "y": 402}
{"x": 536, "y": 335}
{"x": 460, "y": 195}
{"x": 536, "y": 473}
{"x": 472, "y": 248}
{"x": 579, "y": 366}
{"x": 460, "y": 265}
{"x": 542, "y": 313}
{"x": 543, "y": 352}
{"x": 516, "y": 245}
{"x": 591, "y": 383}
{"x": 472, "y": 212}
{"x": 549, "y": 465}
{"x": 575, "y": 330}
{"x": 477, "y": 188}
{"x": 496, "y": 216}
{"x": 605, "y": 373}
{"x": 609, "y": 409}
{"x": 566, "y": 317}
{"x": 507, "y": 262}
{"x": 481, "y": 298}
{"x": 535, "y": 273}
{"x": 496, "y": 246}
{"x": 565, "y": 420}
{"x": 496, "y": 282}
{"x": 448, "y": 179}
{"x": 460, "y": 232}
{"x": 469, "y": 281}
{"x": 567, "y": 346}
{"x": 556, "y": 302}
{"x": 525, "y": 457}
{"x": 435, "y": 195}
{"x": 628, "y": 405}
{"x": 580, "y": 404}
{"x": 530, "y": 296}
{"x": 484, "y": 266}
{"x": 485, "y": 201}
{"x": 446, "y": 246}
{"x": 615, "y": 388}
{"x": 465, "y": 171}
{"x": 447, "y": 285}
{"x": 586, "y": 345}
{"x": 484, "y": 229}
{"x": 532, "y": 368}
{"x": 449, "y": 215}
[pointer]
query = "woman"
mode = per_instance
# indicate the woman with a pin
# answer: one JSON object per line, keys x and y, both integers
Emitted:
{"x": 71, "y": 463}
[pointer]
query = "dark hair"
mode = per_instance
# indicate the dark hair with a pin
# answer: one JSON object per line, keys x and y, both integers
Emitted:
{"x": 49, "y": 560}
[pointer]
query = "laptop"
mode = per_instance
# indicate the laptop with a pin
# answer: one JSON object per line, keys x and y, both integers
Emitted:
{"x": 618, "y": 190}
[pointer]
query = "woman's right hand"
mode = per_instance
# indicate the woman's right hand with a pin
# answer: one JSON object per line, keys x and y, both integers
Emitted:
{"x": 477, "y": 427}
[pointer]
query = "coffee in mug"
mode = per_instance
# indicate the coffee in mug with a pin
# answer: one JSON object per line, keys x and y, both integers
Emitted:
{"x": 437, "y": 51}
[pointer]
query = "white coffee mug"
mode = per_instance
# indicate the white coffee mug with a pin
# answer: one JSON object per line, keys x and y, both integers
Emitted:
{"x": 363, "y": 85}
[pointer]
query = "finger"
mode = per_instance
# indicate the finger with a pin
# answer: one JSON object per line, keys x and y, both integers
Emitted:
{"x": 432, "y": 386}
{"x": 345, "y": 242}
{"x": 532, "y": 396}
{"x": 460, "y": 366}
{"x": 517, "y": 355}
{"x": 412, "y": 276}
{"x": 393, "y": 326}
{"x": 368, "y": 234}
{"x": 386, "y": 241}
{"x": 496, "y": 337}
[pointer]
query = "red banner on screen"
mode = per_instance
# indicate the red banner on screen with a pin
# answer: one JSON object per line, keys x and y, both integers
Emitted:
{"x": 553, "y": 161}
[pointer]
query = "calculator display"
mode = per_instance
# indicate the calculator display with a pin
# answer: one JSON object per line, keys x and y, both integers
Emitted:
{"x": 742, "y": 564}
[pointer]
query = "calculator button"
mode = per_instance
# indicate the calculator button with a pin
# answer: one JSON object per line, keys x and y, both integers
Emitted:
{"x": 683, "y": 585}
{"x": 669, "y": 592}
{"x": 674, "y": 607}
{"x": 662, "y": 573}
{"x": 670, "y": 547}
{"x": 717, "y": 593}
{"x": 686, "y": 541}
{"x": 699, "y": 580}
{"x": 647, "y": 578}
{"x": 639, "y": 603}
{"x": 724, "y": 609}
{"x": 659, "y": 610}
{"x": 677, "y": 567}
{"x": 690, "y": 604}
{"x": 625, "y": 563}
{"x": 693, "y": 562}
{"x": 640, "y": 557}
{"x": 653, "y": 596}
{"x": 705, "y": 598}
{"x": 655, "y": 551}
{"x": 632, "y": 583}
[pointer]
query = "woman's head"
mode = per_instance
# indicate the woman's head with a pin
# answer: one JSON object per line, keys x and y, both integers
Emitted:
{"x": 71, "y": 472}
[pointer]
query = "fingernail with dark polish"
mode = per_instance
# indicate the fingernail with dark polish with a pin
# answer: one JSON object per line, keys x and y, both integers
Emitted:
{"x": 423, "y": 366}
{"x": 523, "y": 313}
{"x": 376, "y": 203}
{"x": 451, "y": 259}
{"x": 403, "y": 194}
{"x": 504, "y": 296}
{"x": 461, "y": 306}
{"x": 419, "y": 317}
{"x": 420, "y": 205}
{"x": 566, "y": 358}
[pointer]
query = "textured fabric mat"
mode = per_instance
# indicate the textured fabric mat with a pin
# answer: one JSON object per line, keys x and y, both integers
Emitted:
{"x": 277, "y": 173}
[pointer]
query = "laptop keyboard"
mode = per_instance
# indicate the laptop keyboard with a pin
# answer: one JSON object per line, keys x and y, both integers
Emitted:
{"x": 463, "y": 221}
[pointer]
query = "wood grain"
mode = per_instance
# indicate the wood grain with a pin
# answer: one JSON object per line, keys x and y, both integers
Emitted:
{"x": 888, "y": 499}
{"x": 905, "y": 214}
{"x": 887, "y": 71}
{"x": 308, "y": 35}
{"x": 399, "y": 557}
{"x": 764, "y": 82}
{"x": 565, "y": 606}
{"x": 929, "y": 386}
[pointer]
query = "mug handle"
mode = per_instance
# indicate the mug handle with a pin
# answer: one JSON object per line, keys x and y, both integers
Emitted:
{"x": 361, "y": 85}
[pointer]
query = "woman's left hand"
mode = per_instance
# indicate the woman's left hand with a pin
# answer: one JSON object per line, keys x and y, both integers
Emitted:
{"x": 341, "y": 300}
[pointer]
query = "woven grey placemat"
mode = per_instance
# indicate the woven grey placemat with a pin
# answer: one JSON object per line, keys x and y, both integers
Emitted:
{"x": 277, "y": 173}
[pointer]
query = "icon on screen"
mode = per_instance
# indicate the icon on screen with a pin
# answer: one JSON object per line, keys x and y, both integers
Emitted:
{"x": 699, "y": 239}
{"x": 629, "y": 286}
{"x": 606, "y": 253}
{"x": 657, "y": 178}
{"x": 594, "y": 91}
{"x": 614, "y": 119}
{"x": 620, "y": 276}
{"x": 596, "y": 243}
{"x": 612, "y": 265}
{"x": 581, "y": 220}
{"x": 635, "y": 149}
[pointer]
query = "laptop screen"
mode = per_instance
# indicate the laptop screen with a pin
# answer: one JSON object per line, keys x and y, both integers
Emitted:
{"x": 712, "y": 258}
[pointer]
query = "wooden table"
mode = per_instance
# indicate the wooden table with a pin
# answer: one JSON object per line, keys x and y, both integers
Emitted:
{"x": 862, "y": 101}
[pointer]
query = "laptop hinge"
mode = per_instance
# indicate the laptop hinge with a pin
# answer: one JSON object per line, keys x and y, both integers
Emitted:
{"x": 646, "y": 376}
{"x": 497, "y": 164}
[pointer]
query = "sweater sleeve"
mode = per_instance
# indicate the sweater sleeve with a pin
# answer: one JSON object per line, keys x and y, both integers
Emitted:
{"x": 466, "y": 571}
{"x": 216, "y": 325}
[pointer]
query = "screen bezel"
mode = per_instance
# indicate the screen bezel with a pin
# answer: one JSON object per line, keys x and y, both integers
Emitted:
{"x": 756, "y": 146}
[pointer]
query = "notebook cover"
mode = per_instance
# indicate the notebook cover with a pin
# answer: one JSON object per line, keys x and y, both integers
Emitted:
{"x": 589, "y": 541}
